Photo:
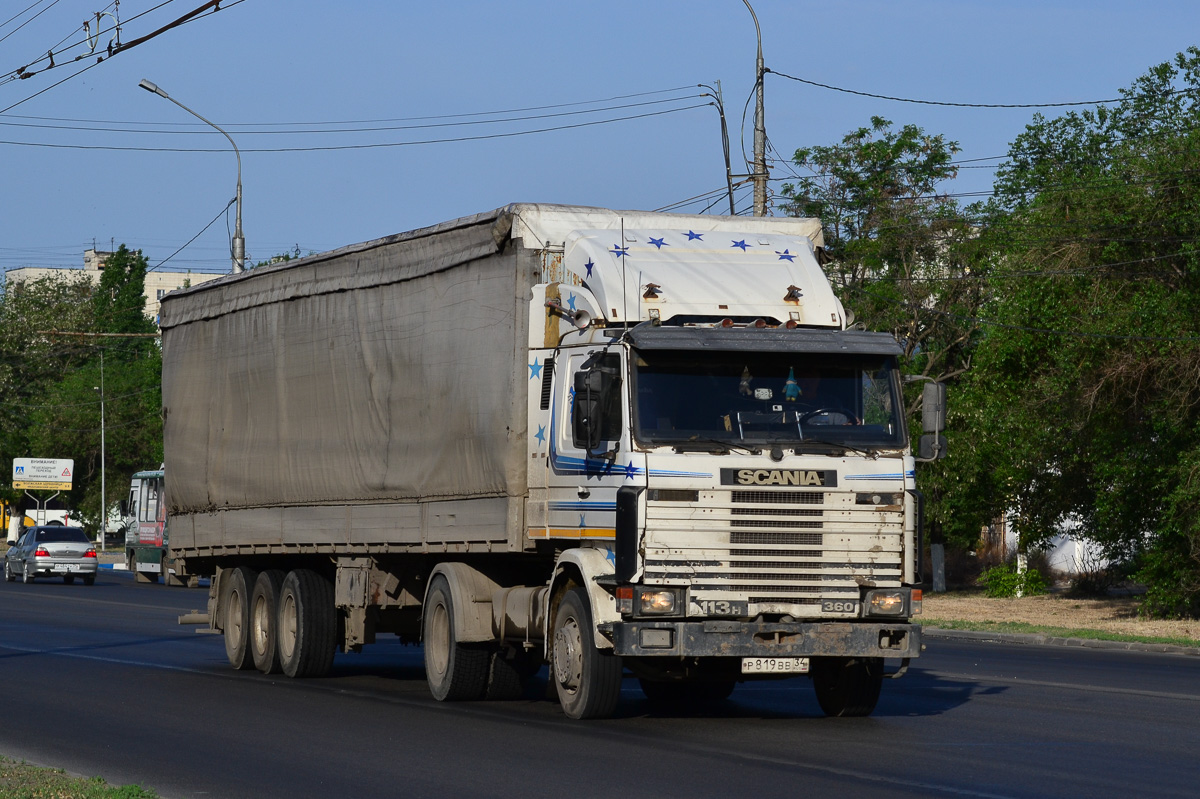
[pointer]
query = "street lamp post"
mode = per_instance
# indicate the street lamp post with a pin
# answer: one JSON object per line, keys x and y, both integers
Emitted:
{"x": 239, "y": 241}
{"x": 760, "y": 131}
{"x": 103, "y": 499}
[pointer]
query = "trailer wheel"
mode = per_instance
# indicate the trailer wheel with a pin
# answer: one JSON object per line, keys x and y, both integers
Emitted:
{"x": 264, "y": 614}
{"x": 235, "y": 603}
{"x": 306, "y": 624}
{"x": 587, "y": 679}
{"x": 454, "y": 671}
{"x": 847, "y": 686}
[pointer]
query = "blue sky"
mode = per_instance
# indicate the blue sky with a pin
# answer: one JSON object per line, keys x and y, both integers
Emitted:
{"x": 302, "y": 66}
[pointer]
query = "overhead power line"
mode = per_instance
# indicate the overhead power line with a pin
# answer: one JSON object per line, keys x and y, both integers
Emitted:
{"x": 366, "y": 146}
{"x": 956, "y": 105}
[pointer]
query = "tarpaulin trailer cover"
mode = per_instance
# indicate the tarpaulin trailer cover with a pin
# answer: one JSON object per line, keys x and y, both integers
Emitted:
{"x": 373, "y": 395}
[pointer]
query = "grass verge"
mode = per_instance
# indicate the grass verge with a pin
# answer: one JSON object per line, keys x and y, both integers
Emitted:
{"x": 20, "y": 780}
{"x": 1056, "y": 632}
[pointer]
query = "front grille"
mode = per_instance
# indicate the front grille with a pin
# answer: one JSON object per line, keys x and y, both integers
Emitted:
{"x": 778, "y": 497}
{"x": 774, "y": 548}
{"x": 810, "y": 539}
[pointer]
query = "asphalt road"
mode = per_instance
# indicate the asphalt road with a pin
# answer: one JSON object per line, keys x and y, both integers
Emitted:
{"x": 101, "y": 680}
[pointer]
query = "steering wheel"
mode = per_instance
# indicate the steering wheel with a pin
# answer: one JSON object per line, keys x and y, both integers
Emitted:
{"x": 830, "y": 410}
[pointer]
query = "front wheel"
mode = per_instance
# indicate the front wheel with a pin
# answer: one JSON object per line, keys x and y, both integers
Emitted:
{"x": 847, "y": 686}
{"x": 588, "y": 680}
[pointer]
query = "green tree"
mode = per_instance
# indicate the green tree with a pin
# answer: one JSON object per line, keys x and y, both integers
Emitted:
{"x": 1085, "y": 391}
{"x": 59, "y": 335}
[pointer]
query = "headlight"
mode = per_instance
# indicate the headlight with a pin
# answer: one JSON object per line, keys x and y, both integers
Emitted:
{"x": 887, "y": 603}
{"x": 652, "y": 602}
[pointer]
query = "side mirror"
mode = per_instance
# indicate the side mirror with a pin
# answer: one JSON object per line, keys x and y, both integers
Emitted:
{"x": 589, "y": 390}
{"x": 933, "y": 407}
{"x": 931, "y": 447}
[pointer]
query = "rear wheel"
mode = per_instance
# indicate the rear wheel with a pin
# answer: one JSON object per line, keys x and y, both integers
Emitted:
{"x": 27, "y": 574}
{"x": 847, "y": 686}
{"x": 264, "y": 613}
{"x": 306, "y": 624}
{"x": 454, "y": 671}
{"x": 8, "y": 572}
{"x": 587, "y": 679}
{"x": 236, "y": 586}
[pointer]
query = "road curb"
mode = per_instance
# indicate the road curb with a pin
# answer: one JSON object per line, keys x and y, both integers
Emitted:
{"x": 1052, "y": 640}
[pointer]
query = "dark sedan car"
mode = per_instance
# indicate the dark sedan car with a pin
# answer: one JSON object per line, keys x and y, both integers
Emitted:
{"x": 52, "y": 551}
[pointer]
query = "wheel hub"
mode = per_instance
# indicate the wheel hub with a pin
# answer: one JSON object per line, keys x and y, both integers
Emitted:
{"x": 568, "y": 656}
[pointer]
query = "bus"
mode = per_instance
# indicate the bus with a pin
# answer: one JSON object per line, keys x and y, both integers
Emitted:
{"x": 146, "y": 535}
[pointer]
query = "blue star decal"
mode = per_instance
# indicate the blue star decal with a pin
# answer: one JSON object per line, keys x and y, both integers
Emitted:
{"x": 742, "y": 245}
{"x": 571, "y": 302}
{"x": 693, "y": 236}
{"x": 630, "y": 471}
{"x": 659, "y": 243}
{"x": 618, "y": 251}
{"x": 535, "y": 369}
{"x": 540, "y": 435}
{"x": 610, "y": 556}
{"x": 786, "y": 256}
{"x": 589, "y": 266}
{"x": 581, "y": 522}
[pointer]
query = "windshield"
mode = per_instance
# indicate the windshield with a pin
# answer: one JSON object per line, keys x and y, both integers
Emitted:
{"x": 792, "y": 399}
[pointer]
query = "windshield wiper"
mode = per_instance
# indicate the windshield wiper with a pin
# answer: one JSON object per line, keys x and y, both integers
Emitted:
{"x": 837, "y": 445}
{"x": 725, "y": 446}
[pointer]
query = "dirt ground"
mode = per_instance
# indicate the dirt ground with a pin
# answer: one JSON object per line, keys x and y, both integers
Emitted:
{"x": 1115, "y": 615}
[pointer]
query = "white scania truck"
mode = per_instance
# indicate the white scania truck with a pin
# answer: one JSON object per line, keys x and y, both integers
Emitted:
{"x": 608, "y": 441}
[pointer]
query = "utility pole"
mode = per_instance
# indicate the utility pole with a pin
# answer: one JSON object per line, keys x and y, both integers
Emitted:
{"x": 760, "y": 129}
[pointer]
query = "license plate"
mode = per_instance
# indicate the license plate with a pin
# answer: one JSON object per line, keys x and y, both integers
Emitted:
{"x": 67, "y": 567}
{"x": 774, "y": 665}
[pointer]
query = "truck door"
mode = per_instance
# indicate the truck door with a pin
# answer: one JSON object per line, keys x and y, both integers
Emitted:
{"x": 589, "y": 447}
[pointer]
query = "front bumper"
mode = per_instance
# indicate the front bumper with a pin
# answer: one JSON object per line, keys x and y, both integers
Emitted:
{"x": 753, "y": 639}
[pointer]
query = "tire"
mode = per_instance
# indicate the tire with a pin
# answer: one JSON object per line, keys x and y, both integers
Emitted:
{"x": 236, "y": 586}
{"x": 455, "y": 672}
{"x": 588, "y": 681}
{"x": 26, "y": 575}
{"x": 89, "y": 579}
{"x": 683, "y": 694}
{"x": 167, "y": 579}
{"x": 68, "y": 579}
{"x": 138, "y": 577}
{"x": 504, "y": 680}
{"x": 264, "y": 618}
{"x": 9, "y": 577}
{"x": 306, "y": 624}
{"x": 847, "y": 686}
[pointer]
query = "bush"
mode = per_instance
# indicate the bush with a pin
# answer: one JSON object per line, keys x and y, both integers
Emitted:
{"x": 1003, "y": 581}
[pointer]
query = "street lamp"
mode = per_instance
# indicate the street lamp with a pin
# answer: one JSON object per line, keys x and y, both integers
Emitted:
{"x": 760, "y": 131}
{"x": 239, "y": 242}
